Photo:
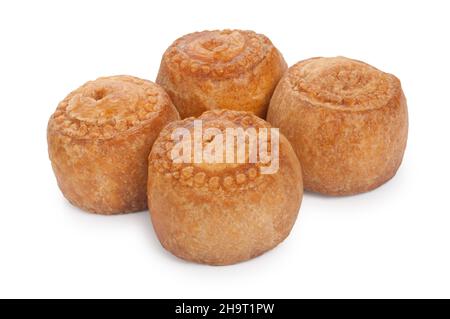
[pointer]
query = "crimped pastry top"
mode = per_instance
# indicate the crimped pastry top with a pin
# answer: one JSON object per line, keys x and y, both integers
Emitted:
{"x": 224, "y": 177}
{"x": 108, "y": 106}
{"x": 340, "y": 82}
{"x": 218, "y": 53}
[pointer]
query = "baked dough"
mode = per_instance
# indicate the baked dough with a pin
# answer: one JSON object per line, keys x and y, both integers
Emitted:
{"x": 225, "y": 213}
{"x": 346, "y": 120}
{"x": 229, "y": 69}
{"x": 99, "y": 139}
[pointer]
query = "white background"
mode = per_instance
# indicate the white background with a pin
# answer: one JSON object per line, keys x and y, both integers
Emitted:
{"x": 391, "y": 242}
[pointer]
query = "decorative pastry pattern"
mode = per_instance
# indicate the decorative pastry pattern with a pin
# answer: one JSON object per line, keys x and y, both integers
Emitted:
{"x": 218, "y": 53}
{"x": 209, "y": 177}
{"x": 105, "y": 107}
{"x": 343, "y": 83}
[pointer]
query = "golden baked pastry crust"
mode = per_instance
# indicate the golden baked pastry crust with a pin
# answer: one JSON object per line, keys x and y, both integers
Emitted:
{"x": 346, "y": 120}
{"x": 221, "y": 214}
{"x": 229, "y": 69}
{"x": 99, "y": 139}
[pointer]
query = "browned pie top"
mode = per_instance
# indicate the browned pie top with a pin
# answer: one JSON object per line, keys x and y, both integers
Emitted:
{"x": 342, "y": 83}
{"x": 221, "y": 54}
{"x": 210, "y": 176}
{"x": 105, "y": 107}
